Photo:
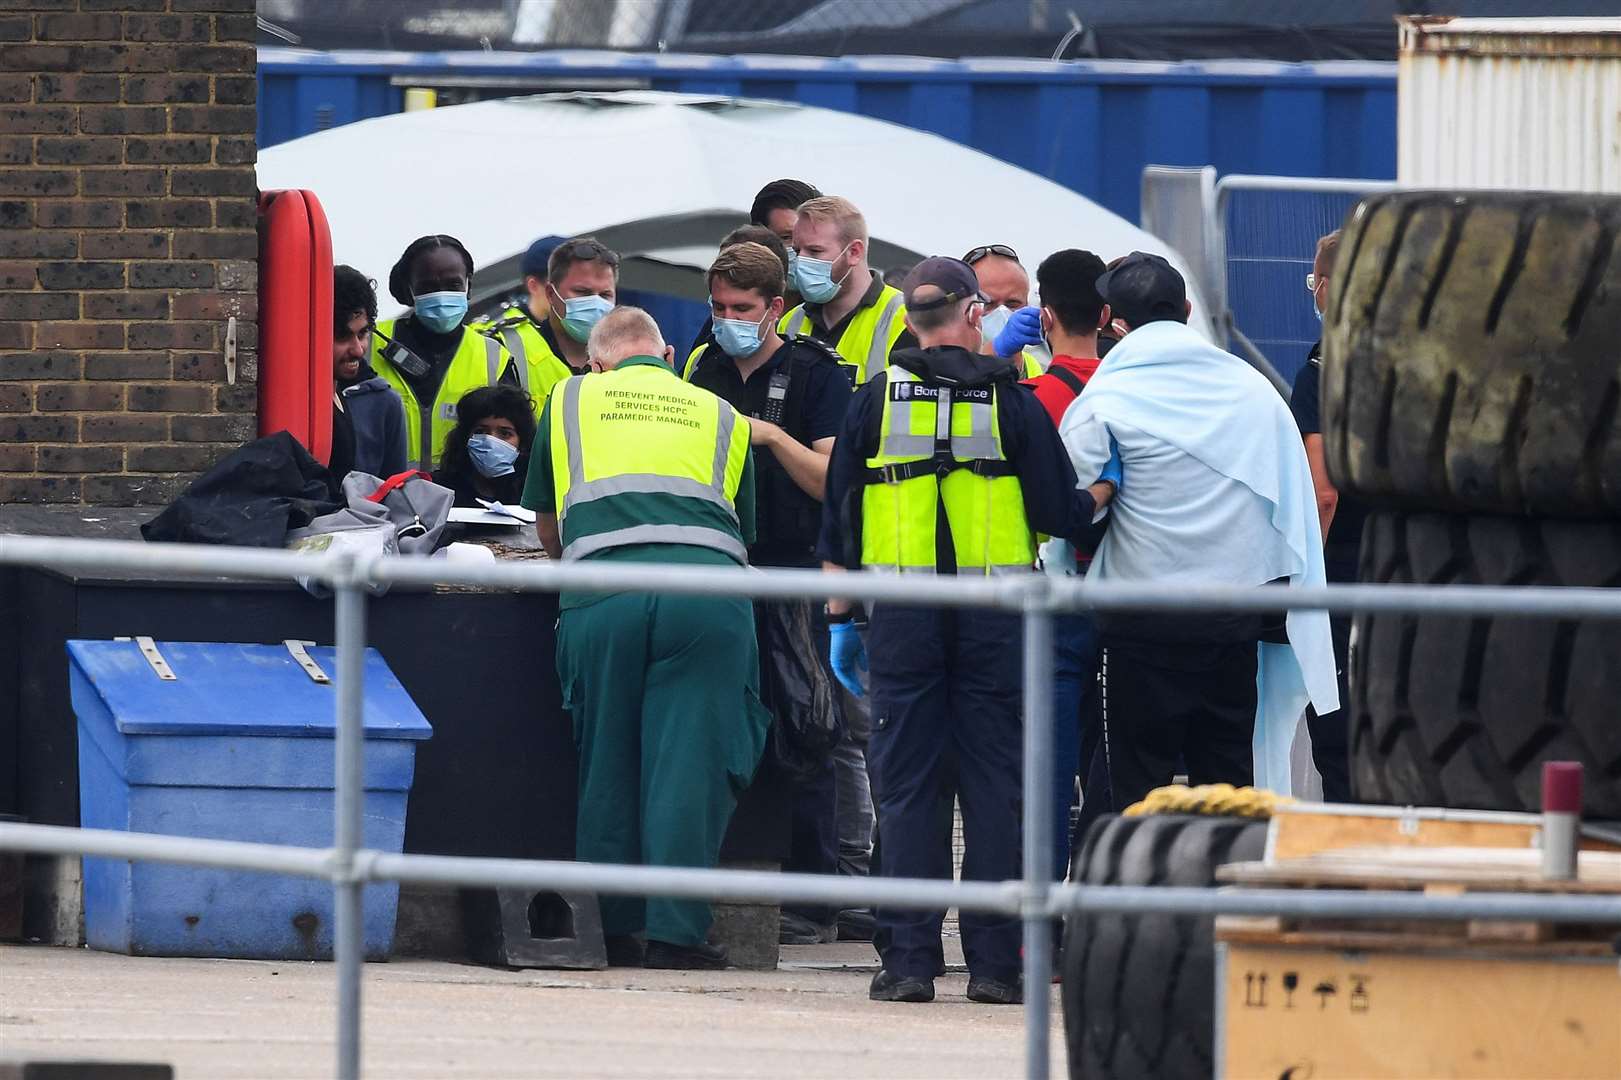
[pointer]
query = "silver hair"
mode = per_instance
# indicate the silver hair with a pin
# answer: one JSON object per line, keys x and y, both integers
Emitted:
{"x": 622, "y": 333}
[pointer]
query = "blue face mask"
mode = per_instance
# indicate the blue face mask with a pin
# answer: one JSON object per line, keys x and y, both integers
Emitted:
{"x": 440, "y": 312}
{"x": 492, "y": 457}
{"x": 814, "y": 278}
{"x": 739, "y": 337}
{"x": 581, "y": 313}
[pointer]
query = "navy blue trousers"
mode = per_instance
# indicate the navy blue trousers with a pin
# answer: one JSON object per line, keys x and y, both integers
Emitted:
{"x": 946, "y": 707}
{"x": 1077, "y": 734}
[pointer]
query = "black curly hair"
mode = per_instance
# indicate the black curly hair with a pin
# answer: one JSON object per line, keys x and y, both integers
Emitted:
{"x": 503, "y": 400}
{"x": 352, "y": 291}
{"x": 399, "y": 278}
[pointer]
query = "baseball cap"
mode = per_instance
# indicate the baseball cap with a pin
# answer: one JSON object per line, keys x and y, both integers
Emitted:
{"x": 534, "y": 260}
{"x": 954, "y": 278}
{"x": 1144, "y": 288}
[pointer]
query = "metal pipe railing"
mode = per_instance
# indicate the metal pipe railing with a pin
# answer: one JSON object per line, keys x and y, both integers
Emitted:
{"x": 1035, "y": 899}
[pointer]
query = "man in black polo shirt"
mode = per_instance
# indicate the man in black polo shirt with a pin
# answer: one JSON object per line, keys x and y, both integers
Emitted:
{"x": 795, "y": 396}
{"x": 1341, "y": 521}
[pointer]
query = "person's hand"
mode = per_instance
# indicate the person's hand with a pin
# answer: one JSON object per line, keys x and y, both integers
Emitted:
{"x": 1112, "y": 472}
{"x": 1022, "y": 329}
{"x": 763, "y": 432}
{"x": 848, "y": 655}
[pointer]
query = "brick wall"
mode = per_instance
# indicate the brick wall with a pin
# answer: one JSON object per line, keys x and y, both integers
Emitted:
{"x": 126, "y": 243}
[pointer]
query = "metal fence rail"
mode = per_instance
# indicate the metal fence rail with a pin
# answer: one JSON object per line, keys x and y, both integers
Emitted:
{"x": 1034, "y": 899}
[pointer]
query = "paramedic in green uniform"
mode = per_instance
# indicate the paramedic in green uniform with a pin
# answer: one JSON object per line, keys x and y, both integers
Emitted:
{"x": 632, "y": 464}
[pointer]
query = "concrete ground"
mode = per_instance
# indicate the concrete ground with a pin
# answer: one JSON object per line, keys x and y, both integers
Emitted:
{"x": 218, "y": 1019}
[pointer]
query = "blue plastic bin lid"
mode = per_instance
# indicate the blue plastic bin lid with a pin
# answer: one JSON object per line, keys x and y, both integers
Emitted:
{"x": 239, "y": 689}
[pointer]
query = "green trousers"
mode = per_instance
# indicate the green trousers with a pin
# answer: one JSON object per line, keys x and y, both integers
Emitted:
{"x": 664, "y": 695}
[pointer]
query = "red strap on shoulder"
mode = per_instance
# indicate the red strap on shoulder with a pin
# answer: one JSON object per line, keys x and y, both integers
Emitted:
{"x": 396, "y": 481}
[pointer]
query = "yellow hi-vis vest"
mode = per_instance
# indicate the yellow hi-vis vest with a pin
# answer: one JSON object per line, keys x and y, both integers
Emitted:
{"x": 928, "y": 455}
{"x": 640, "y": 457}
{"x": 866, "y": 342}
{"x": 539, "y": 368}
{"x": 479, "y": 361}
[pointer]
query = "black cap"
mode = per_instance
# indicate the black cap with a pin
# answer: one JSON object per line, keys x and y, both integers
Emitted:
{"x": 954, "y": 278}
{"x": 534, "y": 260}
{"x": 1144, "y": 288}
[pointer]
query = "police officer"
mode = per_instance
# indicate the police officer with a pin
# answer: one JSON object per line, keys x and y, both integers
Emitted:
{"x": 795, "y": 397}
{"x": 525, "y": 327}
{"x": 945, "y": 465}
{"x": 633, "y": 464}
{"x": 846, "y": 304}
{"x": 430, "y": 356}
{"x": 1012, "y": 326}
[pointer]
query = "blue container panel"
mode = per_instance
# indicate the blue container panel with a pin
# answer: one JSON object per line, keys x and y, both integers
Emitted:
{"x": 1090, "y": 126}
{"x": 159, "y": 910}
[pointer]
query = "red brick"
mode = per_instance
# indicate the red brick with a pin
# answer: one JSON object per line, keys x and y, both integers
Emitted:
{"x": 213, "y": 5}
{"x": 240, "y": 398}
{"x": 170, "y": 397}
{"x": 39, "y": 489}
{"x": 79, "y": 214}
{"x": 122, "y": 57}
{"x": 127, "y": 365}
{"x": 235, "y": 214}
{"x": 79, "y": 335}
{"x": 124, "y": 427}
{"x": 16, "y": 151}
{"x": 18, "y": 275}
{"x": 167, "y": 89}
{"x": 126, "y": 305}
{"x": 16, "y": 88}
{"x": 16, "y": 213}
{"x": 40, "y": 365}
{"x": 36, "y": 119}
{"x": 49, "y": 88}
{"x": 37, "y": 244}
{"x": 16, "y": 398}
{"x": 184, "y": 151}
{"x": 172, "y": 335}
{"x": 78, "y": 27}
{"x": 79, "y": 397}
{"x": 78, "y": 150}
{"x": 16, "y": 335}
{"x": 237, "y": 181}
{"x": 200, "y": 366}
{"x": 36, "y": 428}
{"x": 215, "y": 306}
{"x": 236, "y": 152}
{"x": 229, "y": 91}
{"x": 37, "y": 183}
{"x": 217, "y": 119}
{"x": 16, "y": 459}
{"x": 235, "y": 28}
{"x": 216, "y": 245}
{"x": 81, "y": 275}
{"x": 167, "y": 275}
{"x": 16, "y": 28}
{"x": 129, "y": 245}
{"x": 39, "y": 58}
{"x": 80, "y": 459}
{"x": 39, "y": 305}
{"x": 214, "y": 58}
{"x": 168, "y": 28}
{"x": 124, "y": 5}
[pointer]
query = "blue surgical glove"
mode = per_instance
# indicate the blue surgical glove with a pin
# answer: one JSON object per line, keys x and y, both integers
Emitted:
{"x": 1112, "y": 472}
{"x": 848, "y": 655}
{"x": 1023, "y": 329}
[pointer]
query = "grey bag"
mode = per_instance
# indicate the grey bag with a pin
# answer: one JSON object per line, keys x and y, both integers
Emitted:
{"x": 417, "y": 507}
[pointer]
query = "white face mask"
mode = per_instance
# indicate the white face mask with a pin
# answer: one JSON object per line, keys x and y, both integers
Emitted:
{"x": 993, "y": 322}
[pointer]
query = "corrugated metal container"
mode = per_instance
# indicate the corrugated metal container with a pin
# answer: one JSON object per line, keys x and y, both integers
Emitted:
{"x": 1089, "y": 125}
{"x": 1511, "y": 103}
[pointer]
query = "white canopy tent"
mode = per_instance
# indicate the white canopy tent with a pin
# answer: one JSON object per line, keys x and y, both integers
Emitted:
{"x": 660, "y": 177}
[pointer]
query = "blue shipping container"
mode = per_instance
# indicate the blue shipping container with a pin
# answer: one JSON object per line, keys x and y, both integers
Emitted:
{"x": 1089, "y": 125}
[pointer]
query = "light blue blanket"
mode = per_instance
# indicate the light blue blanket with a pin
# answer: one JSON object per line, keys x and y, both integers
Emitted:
{"x": 1164, "y": 384}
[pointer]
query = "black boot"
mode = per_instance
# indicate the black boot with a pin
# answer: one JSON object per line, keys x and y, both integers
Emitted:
{"x": 662, "y": 954}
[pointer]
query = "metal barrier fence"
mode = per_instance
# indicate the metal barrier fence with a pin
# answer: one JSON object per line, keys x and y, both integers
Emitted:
{"x": 1035, "y": 899}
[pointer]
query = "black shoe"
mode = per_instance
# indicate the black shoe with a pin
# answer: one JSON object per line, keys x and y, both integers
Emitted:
{"x": 857, "y": 924}
{"x": 989, "y": 991}
{"x": 662, "y": 954}
{"x": 795, "y": 929}
{"x": 624, "y": 950}
{"x": 888, "y": 986}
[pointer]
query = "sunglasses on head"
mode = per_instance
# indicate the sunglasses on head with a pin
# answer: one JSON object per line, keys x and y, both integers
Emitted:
{"x": 588, "y": 251}
{"x": 983, "y": 250}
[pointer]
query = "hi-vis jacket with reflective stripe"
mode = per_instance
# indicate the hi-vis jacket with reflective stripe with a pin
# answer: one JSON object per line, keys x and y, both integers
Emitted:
{"x": 866, "y": 342}
{"x": 479, "y": 361}
{"x": 939, "y": 444}
{"x": 640, "y": 457}
{"x": 539, "y": 367}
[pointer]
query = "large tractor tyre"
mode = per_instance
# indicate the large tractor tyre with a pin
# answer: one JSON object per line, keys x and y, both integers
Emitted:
{"x": 1470, "y": 358}
{"x": 1462, "y": 712}
{"x": 1140, "y": 989}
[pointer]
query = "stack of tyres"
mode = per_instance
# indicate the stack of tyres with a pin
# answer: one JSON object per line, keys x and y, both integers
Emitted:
{"x": 1471, "y": 383}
